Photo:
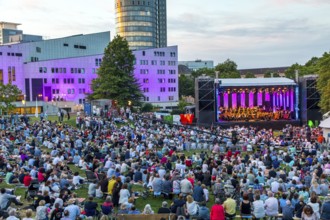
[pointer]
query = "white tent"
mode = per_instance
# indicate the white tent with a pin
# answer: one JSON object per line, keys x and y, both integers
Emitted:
{"x": 325, "y": 125}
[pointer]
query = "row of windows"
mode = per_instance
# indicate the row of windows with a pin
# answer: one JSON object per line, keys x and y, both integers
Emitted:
{"x": 69, "y": 91}
{"x": 13, "y": 54}
{"x": 146, "y": 98}
{"x": 161, "y": 89}
{"x": 77, "y": 70}
{"x": 135, "y": 23}
{"x": 68, "y": 81}
{"x": 63, "y": 70}
{"x": 146, "y": 71}
{"x": 160, "y": 80}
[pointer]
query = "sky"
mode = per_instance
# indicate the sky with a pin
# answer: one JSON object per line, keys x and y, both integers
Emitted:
{"x": 253, "y": 33}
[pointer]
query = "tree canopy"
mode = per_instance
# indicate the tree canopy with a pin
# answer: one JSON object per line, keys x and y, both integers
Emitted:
{"x": 9, "y": 94}
{"x": 116, "y": 79}
{"x": 250, "y": 75}
{"x": 228, "y": 69}
{"x": 268, "y": 74}
{"x": 323, "y": 81}
{"x": 186, "y": 86}
{"x": 310, "y": 67}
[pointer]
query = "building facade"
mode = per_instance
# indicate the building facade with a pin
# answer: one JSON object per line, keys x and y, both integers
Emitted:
{"x": 62, "y": 69}
{"x": 10, "y": 34}
{"x": 197, "y": 64}
{"x": 143, "y": 23}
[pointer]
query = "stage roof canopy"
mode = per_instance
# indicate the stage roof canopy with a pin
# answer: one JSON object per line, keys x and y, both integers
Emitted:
{"x": 276, "y": 81}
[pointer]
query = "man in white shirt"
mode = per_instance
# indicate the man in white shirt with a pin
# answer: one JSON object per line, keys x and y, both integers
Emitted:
{"x": 271, "y": 205}
{"x": 274, "y": 186}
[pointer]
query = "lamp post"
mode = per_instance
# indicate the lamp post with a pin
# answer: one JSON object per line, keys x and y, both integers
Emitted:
{"x": 24, "y": 103}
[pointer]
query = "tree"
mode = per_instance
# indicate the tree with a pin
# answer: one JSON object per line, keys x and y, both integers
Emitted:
{"x": 116, "y": 79}
{"x": 268, "y": 74}
{"x": 250, "y": 75}
{"x": 9, "y": 94}
{"x": 182, "y": 104}
{"x": 228, "y": 69}
{"x": 323, "y": 82}
{"x": 147, "y": 107}
{"x": 186, "y": 86}
{"x": 310, "y": 67}
{"x": 203, "y": 71}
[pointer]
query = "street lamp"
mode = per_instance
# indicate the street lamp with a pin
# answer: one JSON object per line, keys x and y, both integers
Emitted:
{"x": 24, "y": 103}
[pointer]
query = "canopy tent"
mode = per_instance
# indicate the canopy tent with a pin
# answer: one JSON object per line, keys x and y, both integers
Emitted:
{"x": 278, "y": 81}
{"x": 325, "y": 125}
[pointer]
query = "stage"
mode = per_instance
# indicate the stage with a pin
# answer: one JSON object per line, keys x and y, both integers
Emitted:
{"x": 275, "y": 125}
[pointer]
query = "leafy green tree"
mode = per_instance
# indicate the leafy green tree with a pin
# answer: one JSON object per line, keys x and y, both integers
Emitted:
{"x": 250, "y": 75}
{"x": 268, "y": 74}
{"x": 186, "y": 86}
{"x": 116, "y": 79}
{"x": 147, "y": 107}
{"x": 228, "y": 69}
{"x": 182, "y": 104}
{"x": 323, "y": 82}
{"x": 9, "y": 94}
{"x": 203, "y": 71}
{"x": 310, "y": 67}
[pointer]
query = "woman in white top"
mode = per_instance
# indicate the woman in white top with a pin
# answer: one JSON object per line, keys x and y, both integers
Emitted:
{"x": 315, "y": 205}
{"x": 191, "y": 206}
{"x": 124, "y": 194}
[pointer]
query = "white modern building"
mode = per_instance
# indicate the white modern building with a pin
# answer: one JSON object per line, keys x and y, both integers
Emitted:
{"x": 63, "y": 68}
{"x": 197, "y": 64}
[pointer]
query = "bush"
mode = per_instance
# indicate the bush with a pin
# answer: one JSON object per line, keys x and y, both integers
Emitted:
{"x": 147, "y": 107}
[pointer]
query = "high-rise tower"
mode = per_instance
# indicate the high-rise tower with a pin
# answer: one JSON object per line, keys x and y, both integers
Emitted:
{"x": 142, "y": 23}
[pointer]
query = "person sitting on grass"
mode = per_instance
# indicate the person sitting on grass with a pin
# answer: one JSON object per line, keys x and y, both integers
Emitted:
{"x": 147, "y": 210}
{"x": 164, "y": 208}
{"x": 133, "y": 211}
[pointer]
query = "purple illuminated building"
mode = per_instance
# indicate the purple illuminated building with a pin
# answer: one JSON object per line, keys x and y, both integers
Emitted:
{"x": 63, "y": 68}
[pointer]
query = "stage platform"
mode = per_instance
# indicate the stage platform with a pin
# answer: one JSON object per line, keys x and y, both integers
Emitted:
{"x": 275, "y": 125}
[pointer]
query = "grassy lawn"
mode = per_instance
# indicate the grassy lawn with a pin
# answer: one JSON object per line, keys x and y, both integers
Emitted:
{"x": 53, "y": 118}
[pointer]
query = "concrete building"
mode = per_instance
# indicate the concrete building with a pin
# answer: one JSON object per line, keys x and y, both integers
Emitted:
{"x": 143, "y": 23}
{"x": 10, "y": 34}
{"x": 63, "y": 69}
{"x": 197, "y": 64}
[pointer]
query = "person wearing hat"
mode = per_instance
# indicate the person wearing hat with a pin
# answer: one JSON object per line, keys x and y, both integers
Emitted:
{"x": 74, "y": 210}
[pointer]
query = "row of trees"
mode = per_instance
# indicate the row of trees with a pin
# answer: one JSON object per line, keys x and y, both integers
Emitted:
{"x": 321, "y": 67}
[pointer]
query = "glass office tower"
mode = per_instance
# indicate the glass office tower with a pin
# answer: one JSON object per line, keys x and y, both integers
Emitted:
{"x": 142, "y": 23}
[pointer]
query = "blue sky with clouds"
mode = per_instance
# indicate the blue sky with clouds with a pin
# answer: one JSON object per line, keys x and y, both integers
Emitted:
{"x": 253, "y": 33}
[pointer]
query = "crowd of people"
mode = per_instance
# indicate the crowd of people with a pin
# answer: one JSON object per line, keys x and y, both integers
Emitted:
{"x": 258, "y": 175}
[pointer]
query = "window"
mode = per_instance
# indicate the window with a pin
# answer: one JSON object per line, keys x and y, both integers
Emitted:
{"x": 145, "y": 89}
{"x": 146, "y": 99}
{"x": 64, "y": 81}
{"x": 53, "y": 70}
{"x": 171, "y": 89}
{"x": 72, "y": 81}
{"x": 72, "y": 70}
{"x": 98, "y": 62}
{"x": 82, "y": 47}
{"x": 171, "y": 80}
{"x": 9, "y": 74}
{"x": 145, "y": 80}
{"x": 45, "y": 80}
{"x": 153, "y": 62}
{"x": 158, "y": 98}
{"x": 160, "y": 71}
{"x": 76, "y": 46}
{"x": 172, "y": 54}
{"x": 171, "y": 63}
{"x": 143, "y": 53}
{"x": 38, "y": 49}
{"x": 56, "y": 70}
{"x": 162, "y": 62}
{"x": 65, "y": 45}
{"x": 18, "y": 54}
{"x": 40, "y": 70}
{"x": 64, "y": 70}
{"x": 53, "y": 80}
{"x": 57, "y": 81}
{"x": 171, "y": 98}
{"x": 144, "y": 62}
{"x": 171, "y": 71}
{"x": 161, "y": 80}
{"x": 162, "y": 89}
{"x": 45, "y": 69}
{"x": 0, "y": 53}
{"x": 143, "y": 71}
